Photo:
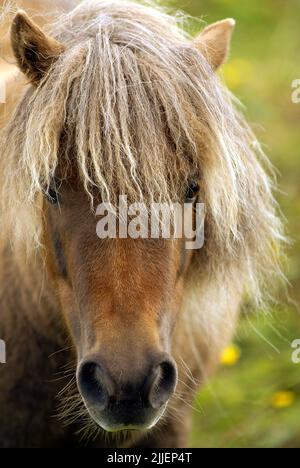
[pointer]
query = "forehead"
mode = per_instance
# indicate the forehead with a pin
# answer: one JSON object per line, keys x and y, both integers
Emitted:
{"x": 74, "y": 222}
{"x": 109, "y": 262}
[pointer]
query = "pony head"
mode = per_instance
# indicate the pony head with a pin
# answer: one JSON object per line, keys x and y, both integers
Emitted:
{"x": 121, "y": 101}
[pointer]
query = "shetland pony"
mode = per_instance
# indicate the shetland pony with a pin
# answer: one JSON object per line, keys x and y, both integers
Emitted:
{"x": 119, "y": 100}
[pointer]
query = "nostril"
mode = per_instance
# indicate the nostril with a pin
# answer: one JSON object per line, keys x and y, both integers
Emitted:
{"x": 164, "y": 384}
{"x": 92, "y": 385}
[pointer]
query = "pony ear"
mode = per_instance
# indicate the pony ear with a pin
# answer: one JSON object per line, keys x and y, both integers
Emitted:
{"x": 34, "y": 50}
{"x": 214, "y": 42}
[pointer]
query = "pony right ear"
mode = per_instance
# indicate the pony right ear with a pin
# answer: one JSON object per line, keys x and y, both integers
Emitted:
{"x": 214, "y": 42}
{"x": 34, "y": 50}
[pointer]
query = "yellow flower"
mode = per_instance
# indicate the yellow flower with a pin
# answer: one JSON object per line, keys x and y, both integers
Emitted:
{"x": 283, "y": 399}
{"x": 230, "y": 355}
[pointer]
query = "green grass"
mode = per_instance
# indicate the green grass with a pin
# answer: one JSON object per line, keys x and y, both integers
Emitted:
{"x": 236, "y": 409}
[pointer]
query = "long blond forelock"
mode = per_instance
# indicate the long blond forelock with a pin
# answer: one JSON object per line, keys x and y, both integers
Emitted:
{"x": 139, "y": 106}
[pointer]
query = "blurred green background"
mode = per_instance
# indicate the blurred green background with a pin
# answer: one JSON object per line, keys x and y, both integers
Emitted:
{"x": 254, "y": 401}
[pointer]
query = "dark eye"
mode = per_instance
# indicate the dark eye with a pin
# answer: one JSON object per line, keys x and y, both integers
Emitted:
{"x": 52, "y": 196}
{"x": 192, "y": 192}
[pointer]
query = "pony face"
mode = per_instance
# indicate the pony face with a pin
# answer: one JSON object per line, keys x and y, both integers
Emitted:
{"x": 123, "y": 102}
{"x": 120, "y": 299}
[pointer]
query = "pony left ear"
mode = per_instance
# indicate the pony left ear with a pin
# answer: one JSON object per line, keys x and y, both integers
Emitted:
{"x": 34, "y": 50}
{"x": 214, "y": 42}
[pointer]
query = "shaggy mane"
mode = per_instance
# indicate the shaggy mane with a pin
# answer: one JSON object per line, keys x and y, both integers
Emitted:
{"x": 137, "y": 110}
